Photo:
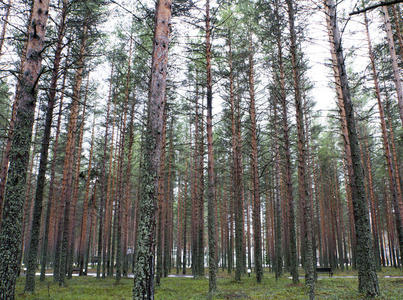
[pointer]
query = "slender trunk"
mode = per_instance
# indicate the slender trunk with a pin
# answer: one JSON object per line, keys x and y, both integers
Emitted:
{"x": 101, "y": 210}
{"x": 287, "y": 168}
{"x": 4, "y": 29}
{"x": 179, "y": 222}
{"x": 40, "y": 183}
{"x": 144, "y": 269}
{"x": 278, "y": 263}
{"x": 84, "y": 218}
{"x": 398, "y": 28}
{"x": 367, "y": 277}
{"x": 51, "y": 210}
{"x": 257, "y": 237}
{"x": 67, "y": 183}
{"x": 127, "y": 189}
{"x": 395, "y": 64}
{"x": 237, "y": 166}
{"x": 185, "y": 216}
{"x": 76, "y": 184}
{"x": 393, "y": 182}
{"x": 194, "y": 191}
{"x": 161, "y": 205}
{"x": 212, "y": 243}
{"x": 168, "y": 208}
{"x": 302, "y": 180}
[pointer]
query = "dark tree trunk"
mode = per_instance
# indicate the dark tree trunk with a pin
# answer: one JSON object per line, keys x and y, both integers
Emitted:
{"x": 293, "y": 259}
{"x": 40, "y": 182}
{"x": 10, "y": 234}
{"x": 368, "y": 280}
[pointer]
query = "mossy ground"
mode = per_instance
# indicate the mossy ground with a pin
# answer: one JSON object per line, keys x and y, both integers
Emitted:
{"x": 89, "y": 288}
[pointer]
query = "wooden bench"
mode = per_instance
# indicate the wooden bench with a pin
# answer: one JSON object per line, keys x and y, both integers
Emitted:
{"x": 77, "y": 270}
{"x": 325, "y": 270}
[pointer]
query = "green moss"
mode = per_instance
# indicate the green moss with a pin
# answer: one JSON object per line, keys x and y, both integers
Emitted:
{"x": 195, "y": 289}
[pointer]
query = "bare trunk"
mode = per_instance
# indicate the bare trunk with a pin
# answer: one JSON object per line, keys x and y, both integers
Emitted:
{"x": 144, "y": 270}
{"x": 67, "y": 183}
{"x": 4, "y": 29}
{"x": 368, "y": 280}
{"x": 10, "y": 234}
{"x": 302, "y": 180}
{"x": 395, "y": 65}
{"x": 257, "y": 246}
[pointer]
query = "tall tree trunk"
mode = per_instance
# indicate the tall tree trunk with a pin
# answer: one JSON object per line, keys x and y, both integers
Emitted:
{"x": 103, "y": 178}
{"x": 67, "y": 183}
{"x": 194, "y": 189}
{"x": 367, "y": 277}
{"x": 11, "y": 126}
{"x": 185, "y": 217}
{"x": 287, "y": 166}
{"x": 40, "y": 183}
{"x": 237, "y": 166}
{"x": 10, "y": 234}
{"x": 127, "y": 189}
{"x": 52, "y": 208}
{"x": 54, "y": 211}
{"x": 393, "y": 183}
{"x": 212, "y": 243}
{"x": 392, "y": 179}
{"x": 257, "y": 237}
{"x": 395, "y": 65}
{"x": 168, "y": 198}
{"x": 179, "y": 222}
{"x": 76, "y": 183}
{"x": 398, "y": 27}
{"x": 84, "y": 219}
{"x": 161, "y": 205}
{"x": 144, "y": 269}
{"x": 302, "y": 180}
{"x": 4, "y": 29}
{"x": 278, "y": 263}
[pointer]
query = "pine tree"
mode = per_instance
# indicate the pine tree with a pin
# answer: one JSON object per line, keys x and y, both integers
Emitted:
{"x": 144, "y": 268}
{"x": 10, "y": 234}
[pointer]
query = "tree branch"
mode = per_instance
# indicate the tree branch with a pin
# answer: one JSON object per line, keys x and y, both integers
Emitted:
{"x": 382, "y": 3}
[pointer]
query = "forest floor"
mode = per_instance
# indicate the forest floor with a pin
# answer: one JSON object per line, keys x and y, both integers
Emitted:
{"x": 89, "y": 288}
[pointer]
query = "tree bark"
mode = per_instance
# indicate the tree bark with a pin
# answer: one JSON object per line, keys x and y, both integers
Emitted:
{"x": 40, "y": 182}
{"x": 103, "y": 178}
{"x": 212, "y": 243}
{"x": 144, "y": 269}
{"x": 257, "y": 237}
{"x": 10, "y": 234}
{"x": 67, "y": 182}
{"x": 4, "y": 29}
{"x": 367, "y": 277}
{"x": 303, "y": 192}
{"x": 395, "y": 65}
{"x": 287, "y": 166}
{"x": 84, "y": 219}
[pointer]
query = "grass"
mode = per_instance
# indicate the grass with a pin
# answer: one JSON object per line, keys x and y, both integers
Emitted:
{"x": 88, "y": 288}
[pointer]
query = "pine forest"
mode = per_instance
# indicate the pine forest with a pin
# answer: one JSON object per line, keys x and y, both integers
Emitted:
{"x": 201, "y": 149}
